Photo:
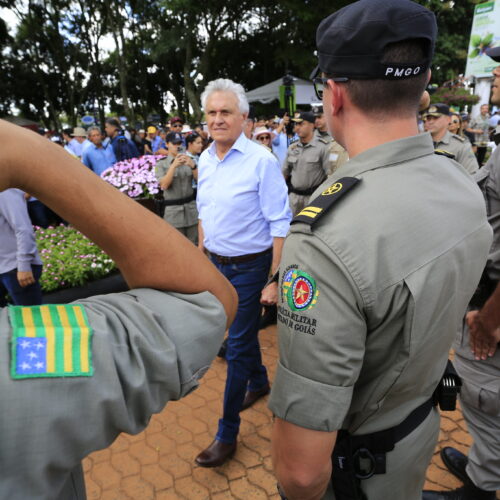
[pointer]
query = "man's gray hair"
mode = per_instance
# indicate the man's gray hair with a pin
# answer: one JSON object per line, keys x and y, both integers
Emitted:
{"x": 226, "y": 85}
{"x": 91, "y": 129}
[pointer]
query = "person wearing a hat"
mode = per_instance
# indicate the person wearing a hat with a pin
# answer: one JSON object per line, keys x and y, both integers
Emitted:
{"x": 79, "y": 141}
{"x": 156, "y": 143}
{"x": 376, "y": 271}
{"x": 477, "y": 355}
{"x": 175, "y": 174}
{"x": 436, "y": 121}
{"x": 338, "y": 155}
{"x": 307, "y": 162}
{"x": 264, "y": 137}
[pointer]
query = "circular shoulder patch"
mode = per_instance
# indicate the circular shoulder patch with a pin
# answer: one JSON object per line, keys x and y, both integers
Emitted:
{"x": 300, "y": 290}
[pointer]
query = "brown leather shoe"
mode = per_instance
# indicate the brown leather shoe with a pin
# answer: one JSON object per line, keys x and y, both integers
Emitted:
{"x": 216, "y": 454}
{"x": 251, "y": 397}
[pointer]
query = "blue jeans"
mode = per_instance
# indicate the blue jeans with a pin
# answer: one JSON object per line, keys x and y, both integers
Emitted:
{"x": 244, "y": 362}
{"x": 30, "y": 295}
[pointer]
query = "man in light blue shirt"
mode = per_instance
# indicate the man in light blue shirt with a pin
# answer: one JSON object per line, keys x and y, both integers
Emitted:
{"x": 79, "y": 143}
{"x": 98, "y": 157}
{"x": 20, "y": 265}
{"x": 244, "y": 216}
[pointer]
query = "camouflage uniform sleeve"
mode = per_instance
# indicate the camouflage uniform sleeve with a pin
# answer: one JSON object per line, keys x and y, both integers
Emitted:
{"x": 147, "y": 347}
{"x": 322, "y": 335}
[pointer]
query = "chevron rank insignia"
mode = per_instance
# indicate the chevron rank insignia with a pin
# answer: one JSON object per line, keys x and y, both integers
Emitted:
{"x": 320, "y": 205}
{"x": 50, "y": 341}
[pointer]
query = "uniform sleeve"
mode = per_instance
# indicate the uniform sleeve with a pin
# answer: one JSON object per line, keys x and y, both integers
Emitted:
{"x": 468, "y": 159}
{"x": 161, "y": 168}
{"x": 273, "y": 198}
{"x": 322, "y": 335}
{"x": 325, "y": 159}
{"x": 286, "y": 168}
{"x": 493, "y": 208}
{"x": 148, "y": 347}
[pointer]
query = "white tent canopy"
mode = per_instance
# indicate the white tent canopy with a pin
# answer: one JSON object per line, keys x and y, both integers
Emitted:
{"x": 304, "y": 92}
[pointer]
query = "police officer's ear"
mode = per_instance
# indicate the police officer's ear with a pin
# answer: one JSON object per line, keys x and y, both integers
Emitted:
{"x": 337, "y": 96}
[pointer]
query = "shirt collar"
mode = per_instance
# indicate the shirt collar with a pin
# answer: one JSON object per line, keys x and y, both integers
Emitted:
{"x": 384, "y": 155}
{"x": 239, "y": 145}
{"x": 446, "y": 138}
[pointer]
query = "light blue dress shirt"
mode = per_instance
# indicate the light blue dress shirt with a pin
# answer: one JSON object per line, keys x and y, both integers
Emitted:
{"x": 280, "y": 147}
{"x": 242, "y": 200}
{"x": 157, "y": 143}
{"x": 18, "y": 246}
{"x": 98, "y": 159}
{"x": 78, "y": 148}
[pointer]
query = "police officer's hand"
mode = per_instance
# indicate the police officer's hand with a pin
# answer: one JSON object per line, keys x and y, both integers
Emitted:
{"x": 269, "y": 296}
{"x": 483, "y": 339}
{"x": 25, "y": 278}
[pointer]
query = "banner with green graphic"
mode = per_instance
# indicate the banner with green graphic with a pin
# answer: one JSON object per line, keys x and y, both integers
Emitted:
{"x": 485, "y": 34}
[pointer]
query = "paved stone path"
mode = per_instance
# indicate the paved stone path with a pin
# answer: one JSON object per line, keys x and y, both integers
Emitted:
{"x": 159, "y": 463}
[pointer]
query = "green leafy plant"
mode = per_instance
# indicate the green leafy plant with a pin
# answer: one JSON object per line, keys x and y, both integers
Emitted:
{"x": 69, "y": 258}
{"x": 480, "y": 44}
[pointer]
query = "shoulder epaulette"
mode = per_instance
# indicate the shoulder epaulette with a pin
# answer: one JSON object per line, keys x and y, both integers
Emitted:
{"x": 456, "y": 136}
{"x": 442, "y": 152}
{"x": 320, "y": 205}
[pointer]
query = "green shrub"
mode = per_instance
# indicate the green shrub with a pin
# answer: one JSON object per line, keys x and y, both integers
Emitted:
{"x": 69, "y": 258}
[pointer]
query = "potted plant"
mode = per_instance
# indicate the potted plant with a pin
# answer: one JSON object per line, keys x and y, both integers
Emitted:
{"x": 136, "y": 178}
{"x": 73, "y": 266}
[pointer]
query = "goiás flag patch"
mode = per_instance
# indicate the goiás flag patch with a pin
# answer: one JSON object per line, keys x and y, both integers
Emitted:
{"x": 50, "y": 341}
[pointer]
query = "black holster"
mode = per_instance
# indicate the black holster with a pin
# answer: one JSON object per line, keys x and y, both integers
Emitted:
{"x": 346, "y": 484}
{"x": 359, "y": 457}
{"x": 447, "y": 391}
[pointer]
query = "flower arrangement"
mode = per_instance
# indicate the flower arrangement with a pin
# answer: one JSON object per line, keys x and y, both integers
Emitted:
{"x": 454, "y": 96}
{"x": 69, "y": 258}
{"x": 134, "y": 177}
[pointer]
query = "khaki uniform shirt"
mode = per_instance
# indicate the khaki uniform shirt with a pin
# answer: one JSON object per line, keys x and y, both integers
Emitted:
{"x": 371, "y": 295}
{"x": 147, "y": 347}
{"x": 461, "y": 148}
{"x": 307, "y": 165}
{"x": 184, "y": 215}
{"x": 338, "y": 156}
{"x": 488, "y": 179}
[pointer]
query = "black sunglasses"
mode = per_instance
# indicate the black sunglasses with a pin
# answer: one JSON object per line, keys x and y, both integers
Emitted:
{"x": 320, "y": 84}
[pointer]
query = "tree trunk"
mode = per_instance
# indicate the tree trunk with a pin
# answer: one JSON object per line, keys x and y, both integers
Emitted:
{"x": 191, "y": 91}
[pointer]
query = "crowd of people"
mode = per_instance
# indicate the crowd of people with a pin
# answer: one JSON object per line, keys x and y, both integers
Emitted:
{"x": 372, "y": 240}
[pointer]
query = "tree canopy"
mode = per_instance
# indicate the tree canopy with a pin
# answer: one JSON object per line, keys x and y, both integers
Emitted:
{"x": 54, "y": 67}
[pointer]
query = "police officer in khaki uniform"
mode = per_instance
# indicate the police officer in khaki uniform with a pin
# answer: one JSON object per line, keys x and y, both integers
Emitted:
{"x": 376, "y": 272}
{"x": 436, "y": 121}
{"x": 175, "y": 174}
{"x": 338, "y": 155}
{"x": 72, "y": 377}
{"x": 307, "y": 162}
{"x": 477, "y": 356}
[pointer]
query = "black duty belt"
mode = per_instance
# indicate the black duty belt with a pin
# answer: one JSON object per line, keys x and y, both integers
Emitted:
{"x": 304, "y": 192}
{"x": 180, "y": 201}
{"x": 360, "y": 457}
{"x": 240, "y": 258}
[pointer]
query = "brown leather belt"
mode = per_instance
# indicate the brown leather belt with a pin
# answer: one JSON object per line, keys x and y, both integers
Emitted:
{"x": 238, "y": 259}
